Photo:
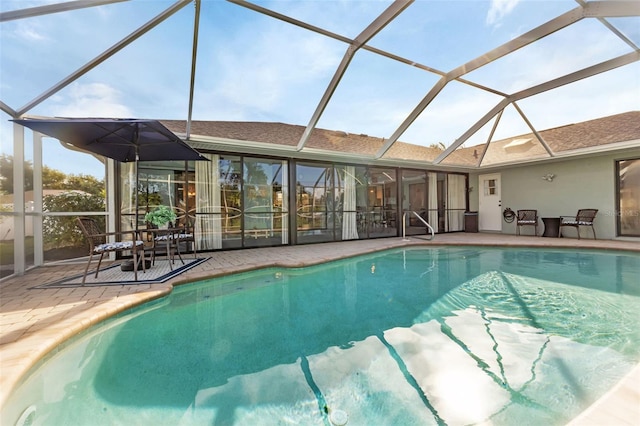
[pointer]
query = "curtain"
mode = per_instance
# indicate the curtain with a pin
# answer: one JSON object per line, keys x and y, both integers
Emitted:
{"x": 433, "y": 201}
{"x": 455, "y": 201}
{"x": 208, "y": 231}
{"x": 349, "y": 222}
{"x": 128, "y": 191}
{"x": 285, "y": 202}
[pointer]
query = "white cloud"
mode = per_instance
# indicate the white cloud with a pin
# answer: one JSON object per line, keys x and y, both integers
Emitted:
{"x": 90, "y": 100}
{"x": 28, "y": 32}
{"x": 499, "y": 9}
{"x": 265, "y": 74}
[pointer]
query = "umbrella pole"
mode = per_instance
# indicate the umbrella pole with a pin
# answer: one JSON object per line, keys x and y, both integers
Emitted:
{"x": 136, "y": 196}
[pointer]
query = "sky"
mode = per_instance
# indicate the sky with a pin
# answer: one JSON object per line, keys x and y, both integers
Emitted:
{"x": 251, "y": 67}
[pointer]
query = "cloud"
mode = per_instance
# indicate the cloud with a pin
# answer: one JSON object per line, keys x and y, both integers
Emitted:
{"x": 90, "y": 100}
{"x": 499, "y": 9}
{"x": 28, "y": 32}
{"x": 269, "y": 73}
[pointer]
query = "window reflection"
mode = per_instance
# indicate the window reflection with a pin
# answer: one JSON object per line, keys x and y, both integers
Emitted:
{"x": 314, "y": 202}
{"x": 265, "y": 202}
{"x": 629, "y": 197}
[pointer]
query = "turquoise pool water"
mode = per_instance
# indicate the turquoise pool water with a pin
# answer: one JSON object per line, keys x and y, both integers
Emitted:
{"x": 413, "y": 336}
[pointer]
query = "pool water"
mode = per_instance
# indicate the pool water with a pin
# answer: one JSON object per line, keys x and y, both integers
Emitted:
{"x": 412, "y": 336}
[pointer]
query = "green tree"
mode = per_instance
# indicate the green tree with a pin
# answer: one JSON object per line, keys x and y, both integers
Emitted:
{"x": 6, "y": 174}
{"x": 62, "y": 231}
{"x": 52, "y": 178}
{"x": 87, "y": 183}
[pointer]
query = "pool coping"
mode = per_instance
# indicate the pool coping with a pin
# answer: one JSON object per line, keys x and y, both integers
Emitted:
{"x": 34, "y": 326}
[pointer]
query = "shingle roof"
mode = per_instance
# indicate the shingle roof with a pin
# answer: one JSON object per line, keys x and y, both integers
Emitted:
{"x": 602, "y": 131}
{"x": 290, "y": 134}
{"x": 587, "y": 134}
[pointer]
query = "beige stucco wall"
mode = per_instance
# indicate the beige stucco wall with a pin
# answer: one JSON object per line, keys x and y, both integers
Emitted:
{"x": 580, "y": 183}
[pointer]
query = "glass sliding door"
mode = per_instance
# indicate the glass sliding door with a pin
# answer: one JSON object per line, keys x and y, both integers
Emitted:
{"x": 414, "y": 199}
{"x": 628, "y": 184}
{"x": 351, "y": 196}
{"x": 157, "y": 183}
{"x": 228, "y": 211}
{"x": 265, "y": 202}
{"x": 382, "y": 215}
{"x": 315, "y": 203}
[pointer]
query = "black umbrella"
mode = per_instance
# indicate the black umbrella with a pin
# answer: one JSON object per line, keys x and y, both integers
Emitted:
{"x": 124, "y": 140}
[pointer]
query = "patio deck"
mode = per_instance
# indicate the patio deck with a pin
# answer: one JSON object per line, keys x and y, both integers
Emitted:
{"x": 35, "y": 321}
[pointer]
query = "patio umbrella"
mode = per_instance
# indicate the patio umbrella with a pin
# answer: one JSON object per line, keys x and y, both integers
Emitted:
{"x": 123, "y": 140}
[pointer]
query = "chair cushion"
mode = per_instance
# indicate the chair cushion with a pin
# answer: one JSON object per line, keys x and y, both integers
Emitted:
{"x": 526, "y": 222}
{"x": 118, "y": 245}
{"x": 172, "y": 237}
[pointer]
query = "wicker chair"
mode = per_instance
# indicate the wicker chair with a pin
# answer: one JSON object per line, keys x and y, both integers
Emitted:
{"x": 99, "y": 244}
{"x": 585, "y": 217}
{"x": 527, "y": 218}
{"x": 171, "y": 240}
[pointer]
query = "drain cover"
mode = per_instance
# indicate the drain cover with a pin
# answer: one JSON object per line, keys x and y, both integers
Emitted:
{"x": 338, "y": 417}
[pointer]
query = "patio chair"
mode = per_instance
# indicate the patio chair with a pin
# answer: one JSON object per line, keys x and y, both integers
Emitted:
{"x": 585, "y": 217}
{"x": 171, "y": 239}
{"x": 527, "y": 218}
{"x": 99, "y": 244}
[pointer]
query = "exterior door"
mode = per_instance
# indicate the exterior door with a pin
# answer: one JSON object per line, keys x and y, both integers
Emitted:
{"x": 490, "y": 203}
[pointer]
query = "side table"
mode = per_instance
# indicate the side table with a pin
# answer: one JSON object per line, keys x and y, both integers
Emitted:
{"x": 551, "y": 226}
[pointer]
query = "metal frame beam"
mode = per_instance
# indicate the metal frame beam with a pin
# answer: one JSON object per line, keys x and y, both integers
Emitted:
{"x": 104, "y": 55}
{"x": 611, "y": 9}
{"x": 349, "y": 41}
{"x": 511, "y": 46}
{"x": 611, "y": 28}
{"x": 194, "y": 55}
{"x": 540, "y": 88}
{"x": 53, "y": 8}
{"x": 389, "y": 14}
{"x": 534, "y": 131}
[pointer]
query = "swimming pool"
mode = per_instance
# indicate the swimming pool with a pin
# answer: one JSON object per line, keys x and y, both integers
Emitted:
{"x": 410, "y": 336}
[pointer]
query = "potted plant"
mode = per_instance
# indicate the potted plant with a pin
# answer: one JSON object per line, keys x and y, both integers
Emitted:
{"x": 161, "y": 216}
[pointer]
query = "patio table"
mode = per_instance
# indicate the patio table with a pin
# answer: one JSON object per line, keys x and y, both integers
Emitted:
{"x": 551, "y": 226}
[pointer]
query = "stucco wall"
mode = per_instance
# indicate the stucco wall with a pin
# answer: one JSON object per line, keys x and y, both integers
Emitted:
{"x": 581, "y": 183}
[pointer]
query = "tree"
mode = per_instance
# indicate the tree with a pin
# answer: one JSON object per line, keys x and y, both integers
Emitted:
{"x": 62, "y": 231}
{"x": 52, "y": 178}
{"x": 6, "y": 174}
{"x": 87, "y": 183}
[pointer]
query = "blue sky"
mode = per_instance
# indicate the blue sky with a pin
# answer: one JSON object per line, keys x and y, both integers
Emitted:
{"x": 255, "y": 68}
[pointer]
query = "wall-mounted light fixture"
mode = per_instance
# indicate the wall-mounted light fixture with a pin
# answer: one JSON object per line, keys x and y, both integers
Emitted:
{"x": 549, "y": 177}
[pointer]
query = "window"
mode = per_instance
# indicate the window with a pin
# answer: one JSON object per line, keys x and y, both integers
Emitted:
{"x": 490, "y": 187}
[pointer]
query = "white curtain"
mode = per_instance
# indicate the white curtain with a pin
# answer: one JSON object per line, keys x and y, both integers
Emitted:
{"x": 128, "y": 194}
{"x": 455, "y": 201}
{"x": 208, "y": 232}
{"x": 285, "y": 202}
{"x": 349, "y": 222}
{"x": 433, "y": 201}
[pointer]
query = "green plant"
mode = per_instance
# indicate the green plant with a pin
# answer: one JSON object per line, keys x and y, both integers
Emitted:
{"x": 63, "y": 231}
{"x": 160, "y": 216}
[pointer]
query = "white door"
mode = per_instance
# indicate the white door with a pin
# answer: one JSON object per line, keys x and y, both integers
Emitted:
{"x": 490, "y": 203}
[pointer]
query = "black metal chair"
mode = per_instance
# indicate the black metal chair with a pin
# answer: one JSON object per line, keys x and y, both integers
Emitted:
{"x": 170, "y": 240}
{"x": 527, "y": 218}
{"x": 99, "y": 244}
{"x": 585, "y": 217}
